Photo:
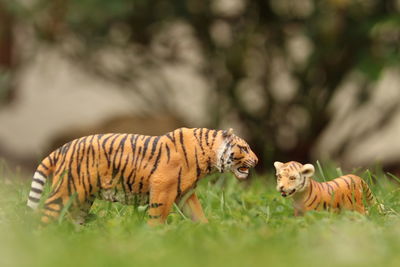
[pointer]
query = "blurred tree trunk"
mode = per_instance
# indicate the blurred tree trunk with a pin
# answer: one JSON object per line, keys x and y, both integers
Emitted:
{"x": 51, "y": 23}
{"x": 7, "y": 64}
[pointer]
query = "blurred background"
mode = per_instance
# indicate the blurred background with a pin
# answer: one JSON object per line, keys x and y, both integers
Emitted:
{"x": 298, "y": 79}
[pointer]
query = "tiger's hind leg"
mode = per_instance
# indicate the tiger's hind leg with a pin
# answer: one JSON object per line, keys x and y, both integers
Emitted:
{"x": 80, "y": 213}
{"x": 52, "y": 209}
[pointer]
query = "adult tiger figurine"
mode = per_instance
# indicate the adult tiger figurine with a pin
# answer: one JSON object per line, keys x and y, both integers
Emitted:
{"x": 138, "y": 169}
{"x": 345, "y": 192}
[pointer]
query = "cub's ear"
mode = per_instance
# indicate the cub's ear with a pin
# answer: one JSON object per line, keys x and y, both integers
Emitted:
{"x": 227, "y": 133}
{"x": 278, "y": 165}
{"x": 307, "y": 170}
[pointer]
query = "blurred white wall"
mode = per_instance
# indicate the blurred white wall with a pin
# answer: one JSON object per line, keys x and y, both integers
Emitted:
{"x": 360, "y": 135}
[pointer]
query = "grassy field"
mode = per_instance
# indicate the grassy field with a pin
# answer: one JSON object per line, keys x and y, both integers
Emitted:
{"x": 250, "y": 225}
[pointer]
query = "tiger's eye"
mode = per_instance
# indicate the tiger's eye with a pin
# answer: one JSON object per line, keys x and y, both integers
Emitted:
{"x": 292, "y": 178}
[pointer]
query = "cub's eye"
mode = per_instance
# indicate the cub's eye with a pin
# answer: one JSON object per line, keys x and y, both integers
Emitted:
{"x": 292, "y": 178}
{"x": 278, "y": 176}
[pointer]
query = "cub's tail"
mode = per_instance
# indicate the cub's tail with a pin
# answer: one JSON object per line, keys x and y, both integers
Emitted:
{"x": 370, "y": 198}
{"x": 44, "y": 169}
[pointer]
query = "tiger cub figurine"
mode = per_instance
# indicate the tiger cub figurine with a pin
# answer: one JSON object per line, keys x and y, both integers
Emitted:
{"x": 345, "y": 192}
{"x": 137, "y": 169}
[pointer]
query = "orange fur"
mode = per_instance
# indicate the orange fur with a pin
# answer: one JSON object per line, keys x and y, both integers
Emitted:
{"x": 137, "y": 169}
{"x": 345, "y": 192}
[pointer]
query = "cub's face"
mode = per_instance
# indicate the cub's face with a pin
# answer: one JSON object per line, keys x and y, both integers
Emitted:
{"x": 292, "y": 177}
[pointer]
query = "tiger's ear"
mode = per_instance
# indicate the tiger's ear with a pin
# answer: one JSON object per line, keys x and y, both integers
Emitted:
{"x": 278, "y": 165}
{"x": 307, "y": 170}
{"x": 227, "y": 133}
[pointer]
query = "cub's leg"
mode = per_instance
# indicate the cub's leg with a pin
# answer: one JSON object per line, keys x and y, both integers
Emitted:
{"x": 161, "y": 200}
{"x": 192, "y": 208}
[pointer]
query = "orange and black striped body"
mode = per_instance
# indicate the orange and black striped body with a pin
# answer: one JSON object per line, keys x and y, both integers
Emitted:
{"x": 137, "y": 169}
{"x": 346, "y": 192}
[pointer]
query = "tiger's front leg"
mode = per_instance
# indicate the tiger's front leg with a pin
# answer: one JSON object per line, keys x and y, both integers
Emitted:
{"x": 192, "y": 208}
{"x": 162, "y": 198}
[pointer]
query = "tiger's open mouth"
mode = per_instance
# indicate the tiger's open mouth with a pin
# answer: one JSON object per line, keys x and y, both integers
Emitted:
{"x": 284, "y": 194}
{"x": 242, "y": 172}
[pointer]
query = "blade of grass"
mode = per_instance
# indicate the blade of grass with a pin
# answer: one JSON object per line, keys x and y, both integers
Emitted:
{"x": 321, "y": 171}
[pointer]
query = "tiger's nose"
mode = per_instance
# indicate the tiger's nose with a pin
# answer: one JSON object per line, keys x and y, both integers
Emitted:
{"x": 255, "y": 160}
{"x": 281, "y": 188}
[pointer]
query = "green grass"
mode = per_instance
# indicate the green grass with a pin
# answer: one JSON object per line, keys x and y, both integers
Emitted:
{"x": 250, "y": 225}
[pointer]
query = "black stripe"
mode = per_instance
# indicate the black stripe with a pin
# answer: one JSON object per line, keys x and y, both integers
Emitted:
{"x": 179, "y": 190}
{"x": 134, "y": 139}
{"x": 42, "y": 173}
{"x": 112, "y": 144}
{"x": 172, "y": 138}
{"x": 155, "y": 166}
{"x": 134, "y": 170}
{"x": 141, "y": 185}
{"x": 155, "y": 205}
{"x": 61, "y": 166}
{"x": 336, "y": 183}
{"x": 201, "y": 140}
{"x": 330, "y": 188}
{"x": 153, "y": 147}
{"x": 121, "y": 147}
{"x": 168, "y": 152}
{"x": 198, "y": 169}
{"x": 51, "y": 209}
{"x": 352, "y": 181}
{"x": 103, "y": 145}
{"x": 57, "y": 201}
{"x": 214, "y": 135}
{"x": 207, "y": 137}
{"x": 36, "y": 190}
{"x": 90, "y": 148}
{"x": 209, "y": 166}
{"x": 51, "y": 160}
{"x": 44, "y": 166}
{"x": 309, "y": 192}
{"x": 303, "y": 183}
{"x": 345, "y": 180}
{"x": 79, "y": 160}
{"x": 349, "y": 198}
{"x": 312, "y": 202}
{"x": 38, "y": 181}
{"x": 34, "y": 199}
{"x": 125, "y": 164}
{"x": 145, "y": 146}
{"x": 183, "y": 146}
{"x": 154, "y": 216}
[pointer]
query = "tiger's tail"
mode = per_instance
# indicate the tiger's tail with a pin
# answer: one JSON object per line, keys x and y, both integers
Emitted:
{"x": 43, "y": 171}
{"x": 370, "y": 198}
